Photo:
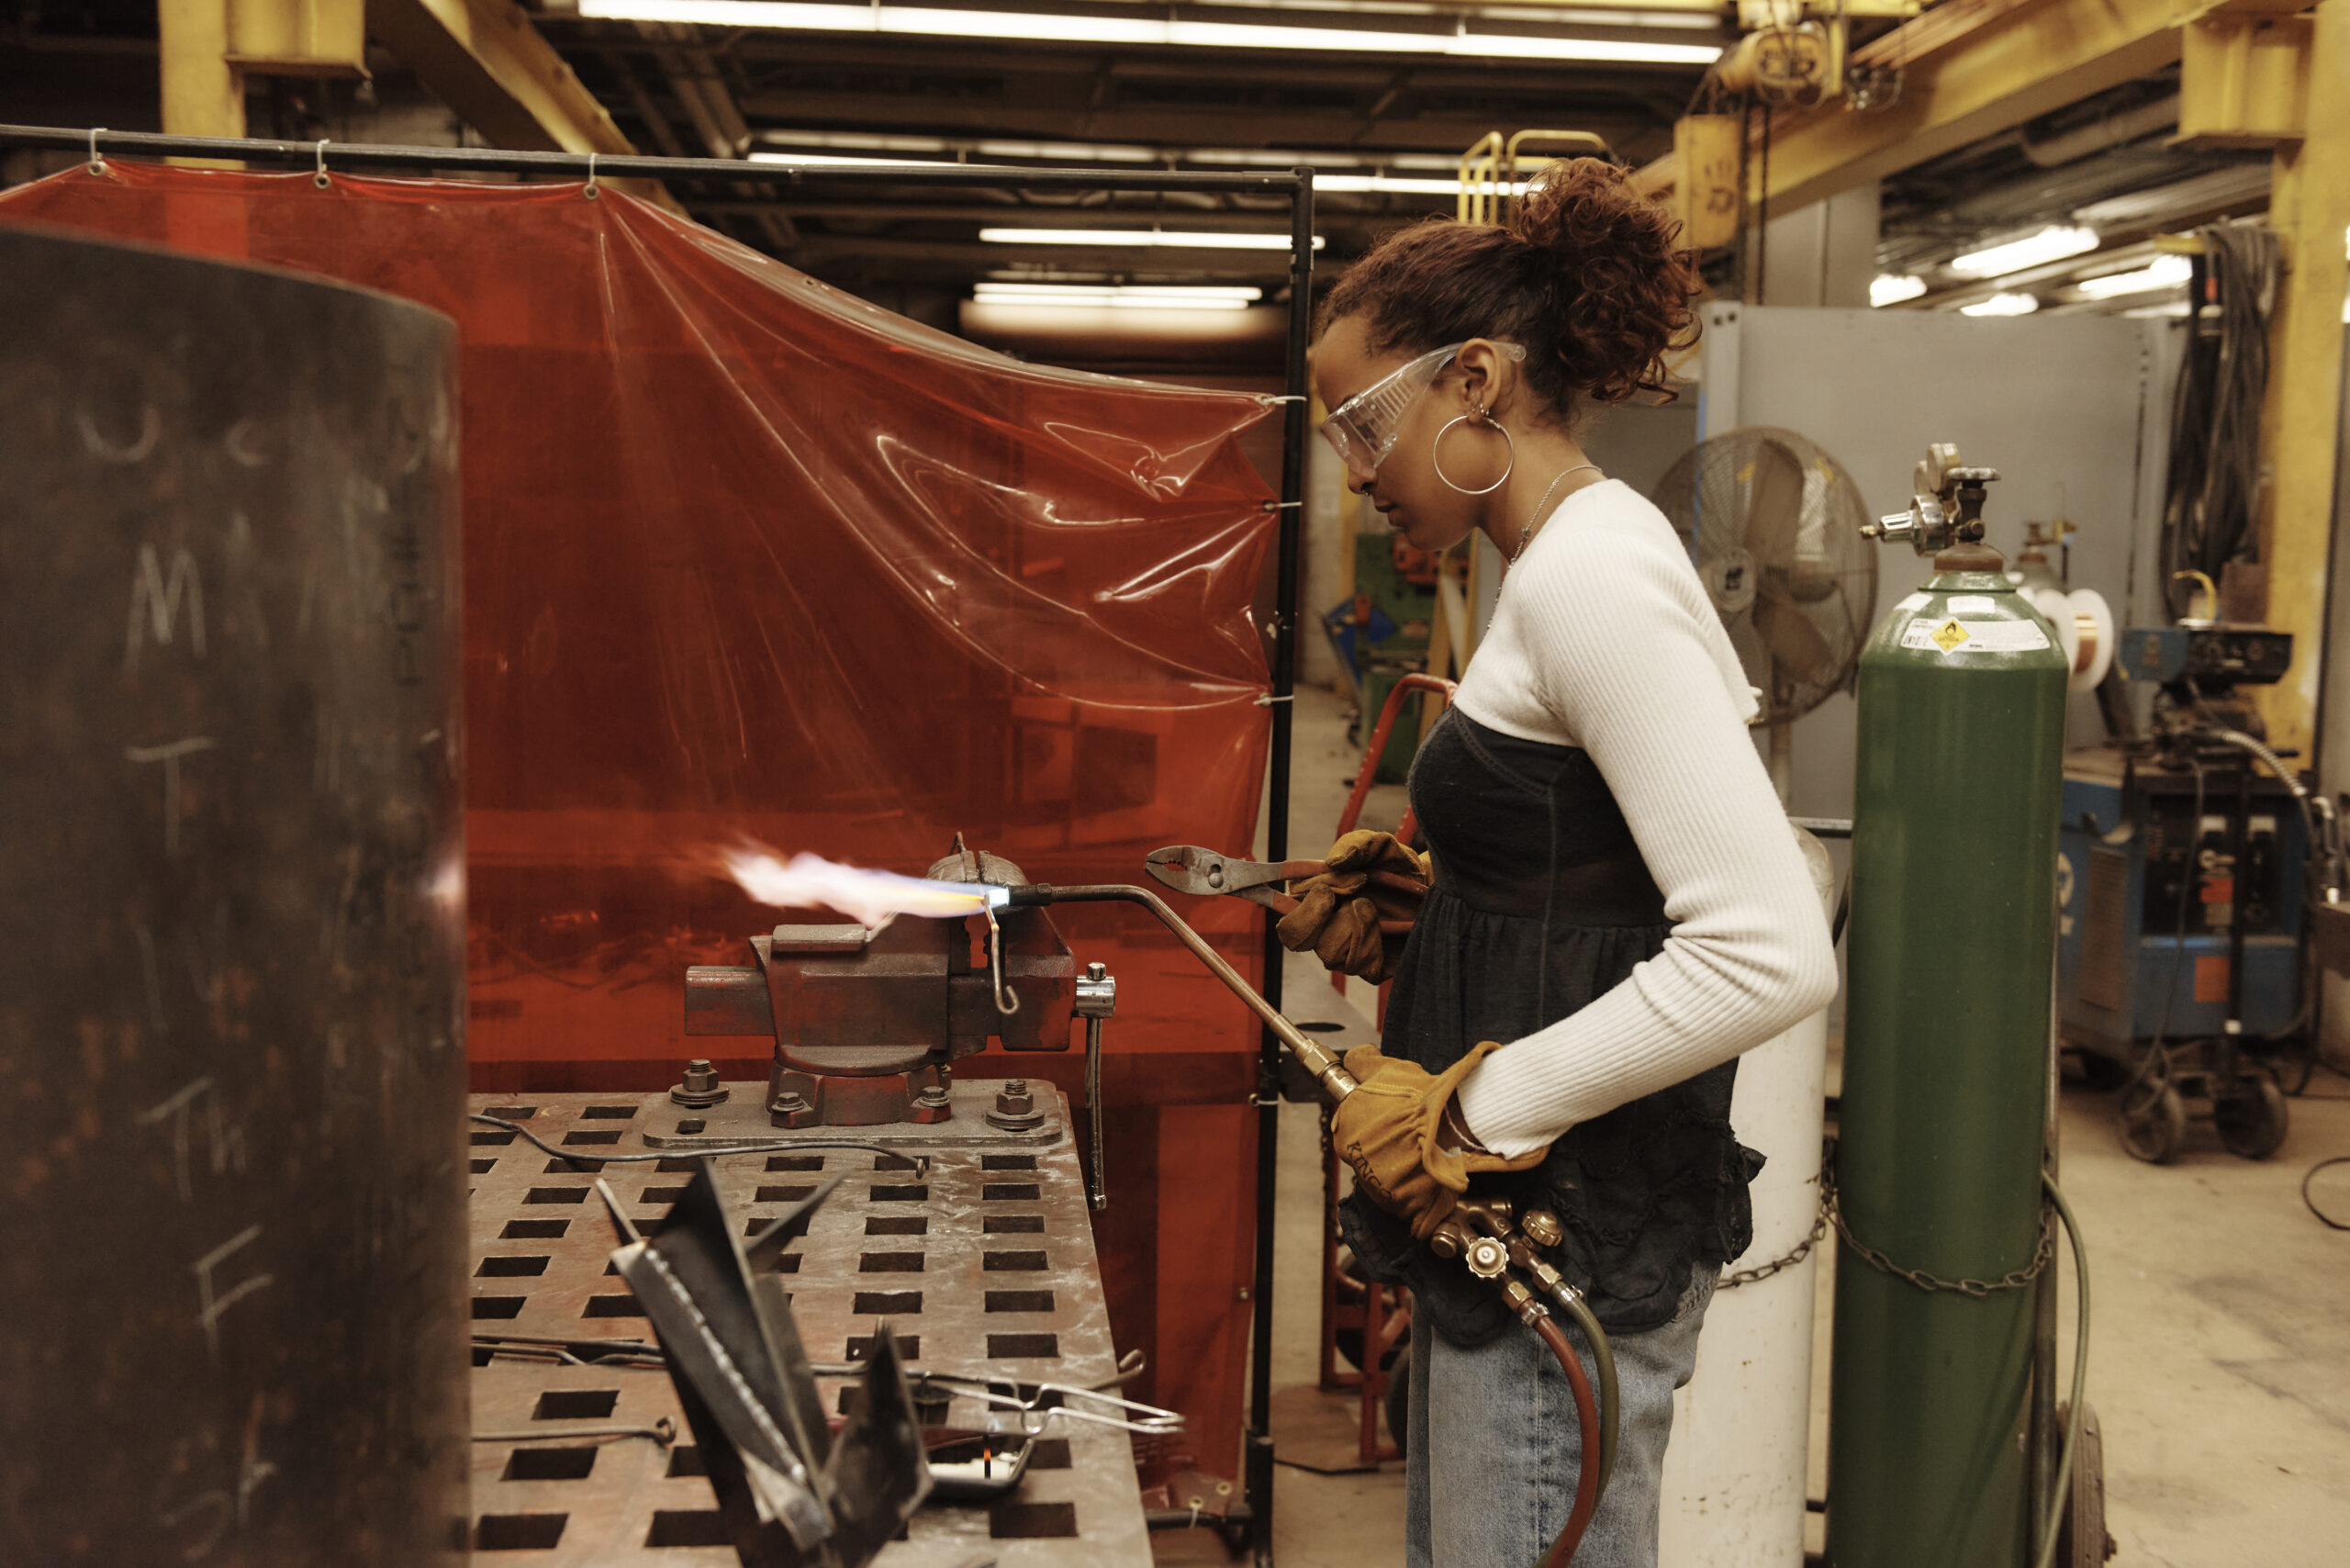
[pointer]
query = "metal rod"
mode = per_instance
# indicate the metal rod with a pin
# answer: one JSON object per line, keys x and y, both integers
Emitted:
{"x": 511, "y": 160}
{"x": 663, "y": 1431}
{"x": 1326, "y": 1070}
{"x": 1099, "y": 1195}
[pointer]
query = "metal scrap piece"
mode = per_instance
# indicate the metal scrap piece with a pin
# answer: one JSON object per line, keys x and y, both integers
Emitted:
{"x": 791, "y": 1496}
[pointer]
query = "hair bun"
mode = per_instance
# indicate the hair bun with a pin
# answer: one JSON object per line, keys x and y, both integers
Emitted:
{"x": 1617, "y": 274}
{"x": 1590, "y": 276}
{"x": 1574, "y": 202}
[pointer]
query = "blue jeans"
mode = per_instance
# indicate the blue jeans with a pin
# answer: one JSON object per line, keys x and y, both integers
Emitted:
{"x": 1490, "y": 1459}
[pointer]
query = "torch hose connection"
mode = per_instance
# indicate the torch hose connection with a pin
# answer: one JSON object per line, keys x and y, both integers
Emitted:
{"x": 1598, "y": 1446}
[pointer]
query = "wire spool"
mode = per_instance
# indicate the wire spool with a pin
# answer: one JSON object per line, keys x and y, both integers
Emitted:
{"x": 2084, "y": 625}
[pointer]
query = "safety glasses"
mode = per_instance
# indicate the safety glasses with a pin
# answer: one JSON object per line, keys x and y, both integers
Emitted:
{"x": 1362, "y": 429}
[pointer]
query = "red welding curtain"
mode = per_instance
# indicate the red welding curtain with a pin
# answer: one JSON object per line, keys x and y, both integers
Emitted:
{"x": 743, "y": 554}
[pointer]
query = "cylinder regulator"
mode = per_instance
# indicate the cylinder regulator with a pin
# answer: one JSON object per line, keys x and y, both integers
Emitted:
{"x": 1938, "y": 1168}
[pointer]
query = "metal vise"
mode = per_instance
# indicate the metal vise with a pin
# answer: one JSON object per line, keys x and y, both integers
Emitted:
{"x": 865, "y": 1023}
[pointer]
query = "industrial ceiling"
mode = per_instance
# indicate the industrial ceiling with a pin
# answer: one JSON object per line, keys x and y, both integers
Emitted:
{"x": 1380, "y": 96}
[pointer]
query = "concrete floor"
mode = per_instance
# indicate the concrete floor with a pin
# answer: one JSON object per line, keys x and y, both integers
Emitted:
{"x": 2219, "y": 1356}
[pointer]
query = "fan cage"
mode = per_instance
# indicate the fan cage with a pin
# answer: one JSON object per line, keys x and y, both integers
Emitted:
{"x": 1773, "y": 523}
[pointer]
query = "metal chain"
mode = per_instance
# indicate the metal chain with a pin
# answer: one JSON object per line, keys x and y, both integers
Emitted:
{"x": 1778, "y": 1265}
{"x": 2014, "y": 1280}
{"x": 1831, "y": 1213}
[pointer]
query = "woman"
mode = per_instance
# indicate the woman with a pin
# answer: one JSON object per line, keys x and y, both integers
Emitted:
{"x": 1620, "y": 907}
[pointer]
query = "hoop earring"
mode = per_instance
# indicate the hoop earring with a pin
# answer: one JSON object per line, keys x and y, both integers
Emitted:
{"x": 1436, "y": 453}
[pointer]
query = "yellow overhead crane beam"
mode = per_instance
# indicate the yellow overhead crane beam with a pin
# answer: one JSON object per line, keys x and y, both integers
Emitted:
{"x": 481, "y": 58}
{"x": 2301, "y": 419}
{"x": 1971, "y": 68}
{"x": 484, "y": 61}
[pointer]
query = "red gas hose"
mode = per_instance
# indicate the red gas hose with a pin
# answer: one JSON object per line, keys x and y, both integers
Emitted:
{"x": 1563, "y": 1551}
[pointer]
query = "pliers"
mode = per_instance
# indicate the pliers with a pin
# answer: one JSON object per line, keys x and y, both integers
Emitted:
{"x": 1188, "y": 869}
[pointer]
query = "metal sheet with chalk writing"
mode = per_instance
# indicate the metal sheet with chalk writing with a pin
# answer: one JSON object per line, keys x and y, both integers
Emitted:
{"x": 231, "y": 920}
{"x": 983, "y": 1264}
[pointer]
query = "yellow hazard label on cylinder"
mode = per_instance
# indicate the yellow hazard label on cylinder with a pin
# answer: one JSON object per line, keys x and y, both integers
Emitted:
{"x": 1953, "y": 636}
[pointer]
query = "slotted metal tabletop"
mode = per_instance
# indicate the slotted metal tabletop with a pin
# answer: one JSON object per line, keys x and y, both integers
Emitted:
{"x": 982, "y": 1265}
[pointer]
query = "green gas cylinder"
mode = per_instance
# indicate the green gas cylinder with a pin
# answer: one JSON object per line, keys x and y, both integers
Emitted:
{"x": 1938, "y": 1163}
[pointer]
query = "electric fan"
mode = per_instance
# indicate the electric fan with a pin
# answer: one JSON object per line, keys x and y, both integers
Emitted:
{"x": 1773, "y": 524}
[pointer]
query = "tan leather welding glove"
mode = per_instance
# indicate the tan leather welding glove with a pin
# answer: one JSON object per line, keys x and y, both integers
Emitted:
{"x": 1391, "y": 1130}
{"x": 1366, "y": 851}
{"x": 1338, "y": 912}
{"x": 1341, "y": 929}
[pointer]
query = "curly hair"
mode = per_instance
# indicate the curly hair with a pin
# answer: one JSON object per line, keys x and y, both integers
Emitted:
{"x": 1589, "y": 274}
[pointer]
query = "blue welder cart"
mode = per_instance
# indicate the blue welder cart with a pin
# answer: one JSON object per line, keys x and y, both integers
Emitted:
{"x": 2180, "y": 879}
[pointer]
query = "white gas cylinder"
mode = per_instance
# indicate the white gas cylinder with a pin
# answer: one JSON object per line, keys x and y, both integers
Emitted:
{"x": 1733, "y": 1491}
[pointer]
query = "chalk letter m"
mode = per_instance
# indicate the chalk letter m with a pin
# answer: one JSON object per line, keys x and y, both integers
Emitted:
{"x": 160, "y": 600}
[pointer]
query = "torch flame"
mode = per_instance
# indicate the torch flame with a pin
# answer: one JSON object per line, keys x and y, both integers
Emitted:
{"x": 872, "y": 898}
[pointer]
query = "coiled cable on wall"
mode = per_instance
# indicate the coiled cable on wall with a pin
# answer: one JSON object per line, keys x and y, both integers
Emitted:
{"x": 2214, "y": 473}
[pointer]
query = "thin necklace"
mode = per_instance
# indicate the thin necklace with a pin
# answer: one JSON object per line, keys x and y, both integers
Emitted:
{"x": 1526, "y": 534}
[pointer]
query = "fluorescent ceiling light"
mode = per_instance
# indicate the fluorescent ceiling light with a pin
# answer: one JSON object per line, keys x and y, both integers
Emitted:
{"x": 1138, "y": 29}
{"x": 2172, "y": 311}
{"x": 1698, "y": 15}
{"x": 862, "y": 140}
{"x": 835, "y": 160}
{"x": 1392, "y": 184}
{"x": 1887, "y": 289}
{"x": 2051, "y": 244}
{"x": 1184, "y": 239}
{"x": 1089, "y": 153}
{"x": 1341, "y": 184}
{"x": 1136, "y": 290}
{"x": 2167, "y": 272}
{"x": 1115, "y": 296}
{"x": 1108, "y": 302}
{"x": 2002, "y": 305}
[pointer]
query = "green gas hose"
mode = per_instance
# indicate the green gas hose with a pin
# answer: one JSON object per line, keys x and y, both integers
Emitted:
{"x": 1604, "y": 1357}
{"x": 2080, "y": 1376}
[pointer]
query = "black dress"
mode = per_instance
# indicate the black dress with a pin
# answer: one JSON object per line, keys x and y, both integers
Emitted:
{"x": 1541, "y": 904}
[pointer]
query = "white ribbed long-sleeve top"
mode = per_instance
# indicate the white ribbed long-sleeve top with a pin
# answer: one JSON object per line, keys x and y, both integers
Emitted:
{"x": 1603, "y": 639}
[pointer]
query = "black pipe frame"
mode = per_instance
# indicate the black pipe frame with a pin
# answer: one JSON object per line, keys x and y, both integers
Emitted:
{"x": 1257, "y": 1476}
{"x": 351, "y": 156}
{"x": 1257, "y": 1467}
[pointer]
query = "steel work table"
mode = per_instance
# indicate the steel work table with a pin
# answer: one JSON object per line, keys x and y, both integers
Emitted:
{"x": 984, "y": 1265}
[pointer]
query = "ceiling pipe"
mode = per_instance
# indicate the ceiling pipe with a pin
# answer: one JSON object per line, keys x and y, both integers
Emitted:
{"x": 2098, "y": 136}
{"x": 693, "y": 77}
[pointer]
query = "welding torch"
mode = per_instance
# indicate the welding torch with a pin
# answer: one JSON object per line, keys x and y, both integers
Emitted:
{"x": 1485, "y": 1235}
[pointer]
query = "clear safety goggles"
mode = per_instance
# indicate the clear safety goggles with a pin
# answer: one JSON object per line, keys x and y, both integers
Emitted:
{"x": 1362, "y": 429}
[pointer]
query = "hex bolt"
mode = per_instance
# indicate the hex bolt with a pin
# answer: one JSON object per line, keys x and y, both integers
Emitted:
{"x": 1015, "y": 1107}
{"x": 699, "y": 1085}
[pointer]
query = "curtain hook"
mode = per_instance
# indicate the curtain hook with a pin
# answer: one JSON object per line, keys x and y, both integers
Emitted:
{"x": 97, "y": 159}
{"x": 320, "y": 179}
{"x": 588, "y": 190}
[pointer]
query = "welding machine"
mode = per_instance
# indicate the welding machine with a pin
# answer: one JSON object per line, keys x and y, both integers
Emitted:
{"x": 2182, "y": 863}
